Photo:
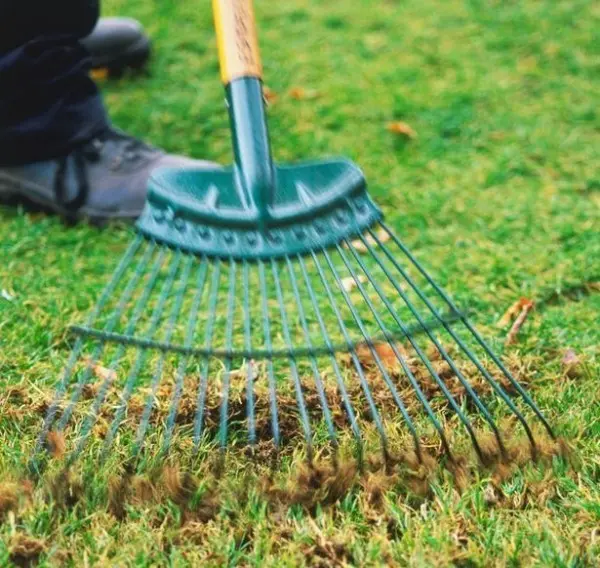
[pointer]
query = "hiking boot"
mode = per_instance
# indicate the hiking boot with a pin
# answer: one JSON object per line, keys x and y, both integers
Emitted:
{"x": 103, "y": 179}
{"x": 117, "y": 44}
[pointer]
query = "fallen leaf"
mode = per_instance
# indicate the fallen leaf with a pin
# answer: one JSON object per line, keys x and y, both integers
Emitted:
{"x": 384, "y": 351}
{"x": 101, "y": 372}
{"x": 301, "y": 94}
{"x": 401, "y": 128}
{"x": 362, "y": 247}
{"x": 270, "y": 95}
{"x": 350, "y": 283}
{"x": 516, "y": 326}
{"x": 510, "y": 314}
{"x": 56, "y": 445}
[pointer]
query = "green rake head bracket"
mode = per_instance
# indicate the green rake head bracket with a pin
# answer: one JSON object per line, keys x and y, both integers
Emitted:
{"x": 255, "y": 209}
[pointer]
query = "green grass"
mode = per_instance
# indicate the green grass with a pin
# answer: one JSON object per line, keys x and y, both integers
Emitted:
{"x": 499, "y": 196}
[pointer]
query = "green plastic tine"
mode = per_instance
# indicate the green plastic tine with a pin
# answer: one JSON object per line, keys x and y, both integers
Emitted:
{"x": 385, "y": 375}
{"x": 92, "y": 417}
{"x": 339, "y": 380}
{"x": 228, "y": 346}
{"x": 445, "y": 355}
{"x": 351, "y": 349}
{"x": 293, "y": 367}
{"x": 497, "y": 387}
{"x": 208, "y": 338}
{"x": 115, "y": 316}
{"x": 249, "y": 364}
{"x": 269, "y": 346}
{"x": 175, "y": 311}
{"x": 189, "y": 338}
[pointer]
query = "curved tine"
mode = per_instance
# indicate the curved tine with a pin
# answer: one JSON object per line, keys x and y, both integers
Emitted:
{"x": 92, "y": 417}
{"x": 113, "y": 321}
{"x": 189, "y": 338}
{"x": 228, "y": 347}
{"x": 269, "y": 346}
{"x": 351, "y": 349}
{"x": 250, "y": 364}
{"x": 175, "y": 311}
{"x": 313, "y": 361}
{"x": 495, "y": 385}
{"x": 400, "y": 358}
{"x": 464, "y": 419}
{"x": 298, "y": 387}
{"x": 340, "y": 382}
{"x": 386, "y": 377}
{"x": 62, "y": 387}
{"x": 208, "y": 337}
{"x": 480, "y": 405}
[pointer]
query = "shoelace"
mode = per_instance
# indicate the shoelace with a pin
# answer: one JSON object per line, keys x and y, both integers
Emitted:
{"x": 91, "y": 152}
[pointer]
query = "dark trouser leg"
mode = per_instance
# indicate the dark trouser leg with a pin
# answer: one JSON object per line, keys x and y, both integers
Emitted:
{"x": 48, "y": 103}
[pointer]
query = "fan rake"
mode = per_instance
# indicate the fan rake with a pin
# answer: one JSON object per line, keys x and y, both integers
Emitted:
{"x": 262, "y": 304}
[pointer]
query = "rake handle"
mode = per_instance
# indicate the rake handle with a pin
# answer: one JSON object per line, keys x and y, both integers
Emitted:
{"x": 241, "y": 73}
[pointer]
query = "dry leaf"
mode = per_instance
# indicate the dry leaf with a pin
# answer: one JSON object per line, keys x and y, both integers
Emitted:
{"x": 514, "y": 330}
{"x": 384, "y": 351}
{"x": 349, "y": 283}
{"x": 401, "y": 128}
{"x": 301, "y": 94}
{"x": 56, "y": 445}
{"x": 101, "y": 372}
{"x": 270, "y": 95}
{"x": 7, "y": 296}
{"x": 360, "y": 246}
{"x": 510, "y": 314}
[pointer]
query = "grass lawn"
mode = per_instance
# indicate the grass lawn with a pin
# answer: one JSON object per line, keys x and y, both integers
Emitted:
{"x": 497, "y": 193}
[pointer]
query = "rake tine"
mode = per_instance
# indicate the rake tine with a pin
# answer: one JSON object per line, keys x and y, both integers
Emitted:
{"x": 228, "y": 346}
{"x": 315, "y": 368}
{"x": 497, "y": 387}
{"x": 448, "y": 395}
{"x": 189, "y": 338}
{"x": 176, "y": 310}
{"x": 431, "y": 336}
{"x": 250, "y": 365}
{"x": 297, "y": 385}
{"x": 201, "y": 400}
{"x": 269, "y": 347}
{"x": 340, "y": 382}
{"x": 378, "y": 362}
{"x": 74, "y": 357}
{"x": 141, "y": 304}
{"x": 363, "y": 381}
{"x": 399, "y": 357}
{"x": 127, "y": 294}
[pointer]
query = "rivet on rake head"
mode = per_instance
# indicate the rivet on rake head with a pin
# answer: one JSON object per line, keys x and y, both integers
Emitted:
{"x": 169, "y": 214}
{"x": 319, "y": 227}
{"x": 341, "y": 217}
{"x": 274, "y": 237}
{"x": 179, "y": 224}
{"x": 203, "y": 232}
{"x": 252, "y": 239}
{"x": 361, "y": 206}
{"x": 228, "y": 237}
{"x": 159, "y": 215}
{"x": 300, "y": 234}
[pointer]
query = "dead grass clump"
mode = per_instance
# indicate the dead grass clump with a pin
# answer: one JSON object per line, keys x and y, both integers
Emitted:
{"x": 25, "y": 550}
{"x": 11, "y": 495}
{"x": 119, "y": 491}
{"x": 376, "y": 485}
{"x": 180, "y": 488}
{"x": 56, "y": 444}
{"x": 313, "y": 485}
{"x": 66, "y": 489}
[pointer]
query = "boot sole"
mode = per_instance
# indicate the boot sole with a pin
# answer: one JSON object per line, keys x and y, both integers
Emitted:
{"x": 14, "y": 193}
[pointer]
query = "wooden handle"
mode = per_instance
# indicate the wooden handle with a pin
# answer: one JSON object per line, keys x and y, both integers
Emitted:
{"x": 237, "y": 39}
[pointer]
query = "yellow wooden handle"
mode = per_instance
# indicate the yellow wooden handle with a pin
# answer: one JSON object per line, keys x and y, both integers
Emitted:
{"x": 236, "y": 36}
